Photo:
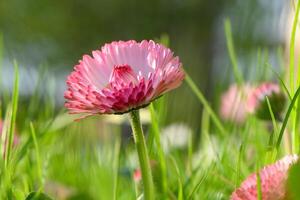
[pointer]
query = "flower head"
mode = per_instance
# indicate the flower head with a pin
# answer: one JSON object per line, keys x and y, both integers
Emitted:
{"x": 257, "y": 102}
{"x": 273, "y": 182}
{"x": 122, "y": 76}
{"x": 234, "y": 103}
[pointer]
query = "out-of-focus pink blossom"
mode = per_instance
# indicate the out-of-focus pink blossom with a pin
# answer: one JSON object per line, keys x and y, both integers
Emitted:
{"x": 273, "y": 182}
{"x": 234, "y": 103}
{"x": 257, "y": 100}
{"x": 137, "y": 175}
{"x": 122, "y": 76}
{"x": 260, "y": 93}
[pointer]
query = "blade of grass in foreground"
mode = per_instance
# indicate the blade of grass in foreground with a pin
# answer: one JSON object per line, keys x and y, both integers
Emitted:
{"x": 271, "y": 154}
{"x": 161, "y": 157}
{"x": 295, "y": 135}
{"x": 202, "y": 99}
{"x": 292, "y": 49}
{"x": 293, "y": 181}
{"x": 116, "y": 164}
{"x": 281, "y": 81}
{"x": 258, "y": 183}
{"x": 228, "y": 33}
{"x": 199, "y": 183}
{"x": 180, "y": 187}
{"x": 5, "y": 129}
{"x": 11, "y": 129}
{"x": 37, "y": 154}
{"x": 286, "y": 118}
{"x": 238, "y": 167}
{"x": 272, "y": 116}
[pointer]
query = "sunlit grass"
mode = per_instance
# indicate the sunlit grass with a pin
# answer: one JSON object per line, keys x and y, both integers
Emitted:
{"x": 95, "y": 159}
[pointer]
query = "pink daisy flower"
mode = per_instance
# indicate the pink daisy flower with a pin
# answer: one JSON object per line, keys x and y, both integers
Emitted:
{"x": 122, "y": 76}
{"x": 273, "y": 182}
{"x": 234, "y": 103}
{"x": 257, "y": 100}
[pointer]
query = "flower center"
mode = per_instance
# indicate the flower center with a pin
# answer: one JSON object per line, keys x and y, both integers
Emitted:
{"x": 122, "y": 75}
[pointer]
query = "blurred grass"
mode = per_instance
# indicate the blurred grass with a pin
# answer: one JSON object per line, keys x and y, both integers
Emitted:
{"x": 94, "y": 159}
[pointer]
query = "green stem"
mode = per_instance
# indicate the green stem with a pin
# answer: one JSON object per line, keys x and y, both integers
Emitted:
{"x": 140, "y": 144}
{"x": 161, "y": 156}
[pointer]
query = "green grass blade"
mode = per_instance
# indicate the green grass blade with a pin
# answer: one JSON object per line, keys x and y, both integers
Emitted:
{"x": 286, "y": 118}
{"x": 205, "y": 103}
{"x": 14, "y": 114}
{"x": 295, "y": 136}
{"x": 202, "y": 179}
{"x": 238, "y": 167}
{"x": 270, "y": 156}
{"x": 293, "y": 181}
{"x": 116, "y": 166}
{"x": 161, "y": 156}
{"x": 180, "y": 186}
{"x": 37, "y": 154}
{"x": 5, "y": 129}
{"x": 274, "y": 122}
{"x": 258, "y": 184}
{"x": 231, "y": 51}
{"x": 281, "y": 82}
{"x": 292, "y": 49}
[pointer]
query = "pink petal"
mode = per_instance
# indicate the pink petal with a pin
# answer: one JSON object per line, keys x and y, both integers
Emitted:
{"x": 124, "y": 75}
{"x": 273, "y": 182}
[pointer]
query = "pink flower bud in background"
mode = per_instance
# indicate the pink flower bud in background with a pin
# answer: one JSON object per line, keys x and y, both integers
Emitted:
{"x": 137, "y": 175}
{"x": 234, "y": 103}
{"x": 257, "y": 103}
{"x": 122, "y": 76}
{"x": 273, "y": 180}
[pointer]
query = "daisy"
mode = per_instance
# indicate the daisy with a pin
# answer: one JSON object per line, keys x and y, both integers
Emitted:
{"x": 122, "y": 76}
{"x": 273, "y": 182}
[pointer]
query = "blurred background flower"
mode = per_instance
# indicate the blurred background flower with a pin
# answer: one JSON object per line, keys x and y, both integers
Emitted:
{"x": 175, "y": 136}
{"x": 257, "y": 101}
{"x": 49, "y": 37}
{"x": 234, "y": 103}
